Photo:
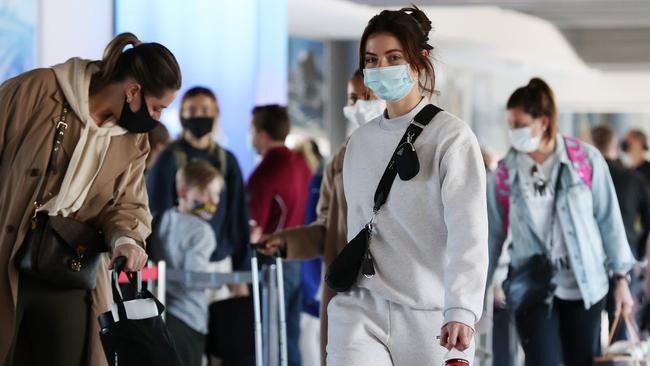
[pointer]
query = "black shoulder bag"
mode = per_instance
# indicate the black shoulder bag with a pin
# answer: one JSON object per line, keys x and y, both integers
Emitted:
{"x": 344, "y": 270}
{"x": 60, "y": 250}
{"x": 534, "y": 282}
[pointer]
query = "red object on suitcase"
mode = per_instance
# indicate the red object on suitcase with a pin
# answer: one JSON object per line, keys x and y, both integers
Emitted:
{"x": 456, "y": 362}
{"x": 148, "y": 274}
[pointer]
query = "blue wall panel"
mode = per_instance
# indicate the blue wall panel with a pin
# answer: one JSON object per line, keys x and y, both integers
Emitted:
{"x": 236, "y": 48}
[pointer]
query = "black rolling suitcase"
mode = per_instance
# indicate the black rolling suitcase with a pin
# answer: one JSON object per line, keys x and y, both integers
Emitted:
{"x": 231, "y": 335}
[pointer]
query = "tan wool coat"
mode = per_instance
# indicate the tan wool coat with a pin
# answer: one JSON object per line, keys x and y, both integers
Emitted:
{"x": 327, "y": 235}
{"x": 30, "y": 106}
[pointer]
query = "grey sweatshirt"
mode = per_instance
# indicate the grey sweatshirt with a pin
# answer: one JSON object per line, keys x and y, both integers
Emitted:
{"x": 430, "y": 240}
{"x": 186, "y": 243}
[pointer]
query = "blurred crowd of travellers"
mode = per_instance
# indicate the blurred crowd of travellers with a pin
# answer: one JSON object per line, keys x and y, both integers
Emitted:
{"x": 556, "y": 231}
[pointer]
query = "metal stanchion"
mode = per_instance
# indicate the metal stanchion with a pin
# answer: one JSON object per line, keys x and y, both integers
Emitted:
{"x": 274, "y": 339}
{"x": 265, "y": 317}
{"x": 284, "y": 357}
{"x": 270, "y": 315}
{"x": 256, "y": 307}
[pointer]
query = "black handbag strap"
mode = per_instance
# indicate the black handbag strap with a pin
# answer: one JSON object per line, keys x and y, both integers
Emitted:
{"x": 556, "y": 193}
{"x": 59, "y": 133}
{"x": 143, "y": 294}
{"x": 415, "y": 128}
{"x": 133, "y": 281}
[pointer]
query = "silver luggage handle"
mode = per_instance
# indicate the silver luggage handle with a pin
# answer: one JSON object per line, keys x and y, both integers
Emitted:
{"x": 277, "y": 268}
{"x": 257, "y": 310}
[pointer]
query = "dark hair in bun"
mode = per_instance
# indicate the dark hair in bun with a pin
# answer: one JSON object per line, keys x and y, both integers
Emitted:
{"x": 411, "y": 27}
{"x": 538, "y": 100}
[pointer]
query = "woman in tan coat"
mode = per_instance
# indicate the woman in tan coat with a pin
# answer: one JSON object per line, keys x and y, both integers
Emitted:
{"x": 98, "y": 180}
{"x": 328, "y": 234}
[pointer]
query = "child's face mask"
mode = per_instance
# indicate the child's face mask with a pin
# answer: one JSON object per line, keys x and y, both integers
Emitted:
{"x": 203, "y": 202}
{"x": 204, "y": 210}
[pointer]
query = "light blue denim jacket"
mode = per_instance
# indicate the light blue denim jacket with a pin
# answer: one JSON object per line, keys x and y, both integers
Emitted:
{"x": 590, "y": 219}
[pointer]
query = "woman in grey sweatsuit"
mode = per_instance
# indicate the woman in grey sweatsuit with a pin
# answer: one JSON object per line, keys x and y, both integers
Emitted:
{"x": 429, "y": 241}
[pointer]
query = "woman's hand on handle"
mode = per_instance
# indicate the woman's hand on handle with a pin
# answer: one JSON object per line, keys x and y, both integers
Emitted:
{"x": 271, "y": 244}
{"x": 624, "y": 300}
{"x": 456, "y": 335}
{"x": 239, "y": 290}
{"x": 136, "y": 257}
{"x": 256, "y": 234}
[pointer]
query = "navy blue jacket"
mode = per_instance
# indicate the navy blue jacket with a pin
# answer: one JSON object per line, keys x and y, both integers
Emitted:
{"x": 230, "y": 223}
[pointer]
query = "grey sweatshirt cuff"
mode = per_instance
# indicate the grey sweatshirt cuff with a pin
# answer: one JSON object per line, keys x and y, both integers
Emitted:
{"x": 459, "y": 315}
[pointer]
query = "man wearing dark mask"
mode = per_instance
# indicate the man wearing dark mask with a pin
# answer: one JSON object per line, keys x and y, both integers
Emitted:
{"x": 635, "y": 147}
{"x": 199, "y": 116}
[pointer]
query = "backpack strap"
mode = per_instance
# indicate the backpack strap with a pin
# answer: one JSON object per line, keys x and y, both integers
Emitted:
{"x": 223, "y": 159}
{"x": 503, "y": 192}
{"x": 578, "y": 157}
{"x": 180, "y": 156}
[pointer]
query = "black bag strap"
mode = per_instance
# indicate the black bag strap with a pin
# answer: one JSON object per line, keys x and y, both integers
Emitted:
{"x": 145, "y": 294}
{"x": 556, "y": 193}
{"x": 133, "y": 281}
{"x": 415, "y": 128}
{"x": 59, "y": 133}
{"x": 558, "y": 185}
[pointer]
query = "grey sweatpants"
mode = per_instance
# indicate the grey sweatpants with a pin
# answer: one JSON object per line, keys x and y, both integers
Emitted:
{"x": 367, "y": 330}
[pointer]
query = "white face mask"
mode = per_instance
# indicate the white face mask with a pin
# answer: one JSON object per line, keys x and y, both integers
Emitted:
{"x": 363, "y": 111}
{"x": 522, "y": 139}
{"x": 626, "y": 160}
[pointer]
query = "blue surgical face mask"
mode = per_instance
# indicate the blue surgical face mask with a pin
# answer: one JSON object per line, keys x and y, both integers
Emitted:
{"x": 390, "y": 83}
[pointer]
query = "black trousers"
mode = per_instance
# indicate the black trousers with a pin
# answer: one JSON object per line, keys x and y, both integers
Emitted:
{"x": 569, "y": 334}
{"x": 190, "y": 344}
{"x": 502, "y": 337}
{"x": 51, "y": 325}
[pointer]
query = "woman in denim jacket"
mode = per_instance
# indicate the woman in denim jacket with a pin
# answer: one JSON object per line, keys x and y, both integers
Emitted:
{"x": 580, "y": 230}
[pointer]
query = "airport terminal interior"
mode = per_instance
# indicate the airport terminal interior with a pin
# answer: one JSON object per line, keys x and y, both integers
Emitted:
{"x": 324, "y": 182}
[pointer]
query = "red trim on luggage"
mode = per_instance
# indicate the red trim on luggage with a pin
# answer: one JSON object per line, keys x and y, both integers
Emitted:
{"x": 148, "y": 274}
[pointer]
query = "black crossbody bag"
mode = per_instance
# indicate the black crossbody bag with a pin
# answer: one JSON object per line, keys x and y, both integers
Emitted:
{"x": 533, "y": 283}
{"x": 356, "y": 256}
{"x": 60, "y": 250}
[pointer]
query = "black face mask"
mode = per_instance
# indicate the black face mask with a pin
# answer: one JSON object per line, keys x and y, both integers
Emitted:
{"x": 137, "y": 122}
{"x": 625, "y": 146}
{"x": 198, "y": 126}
